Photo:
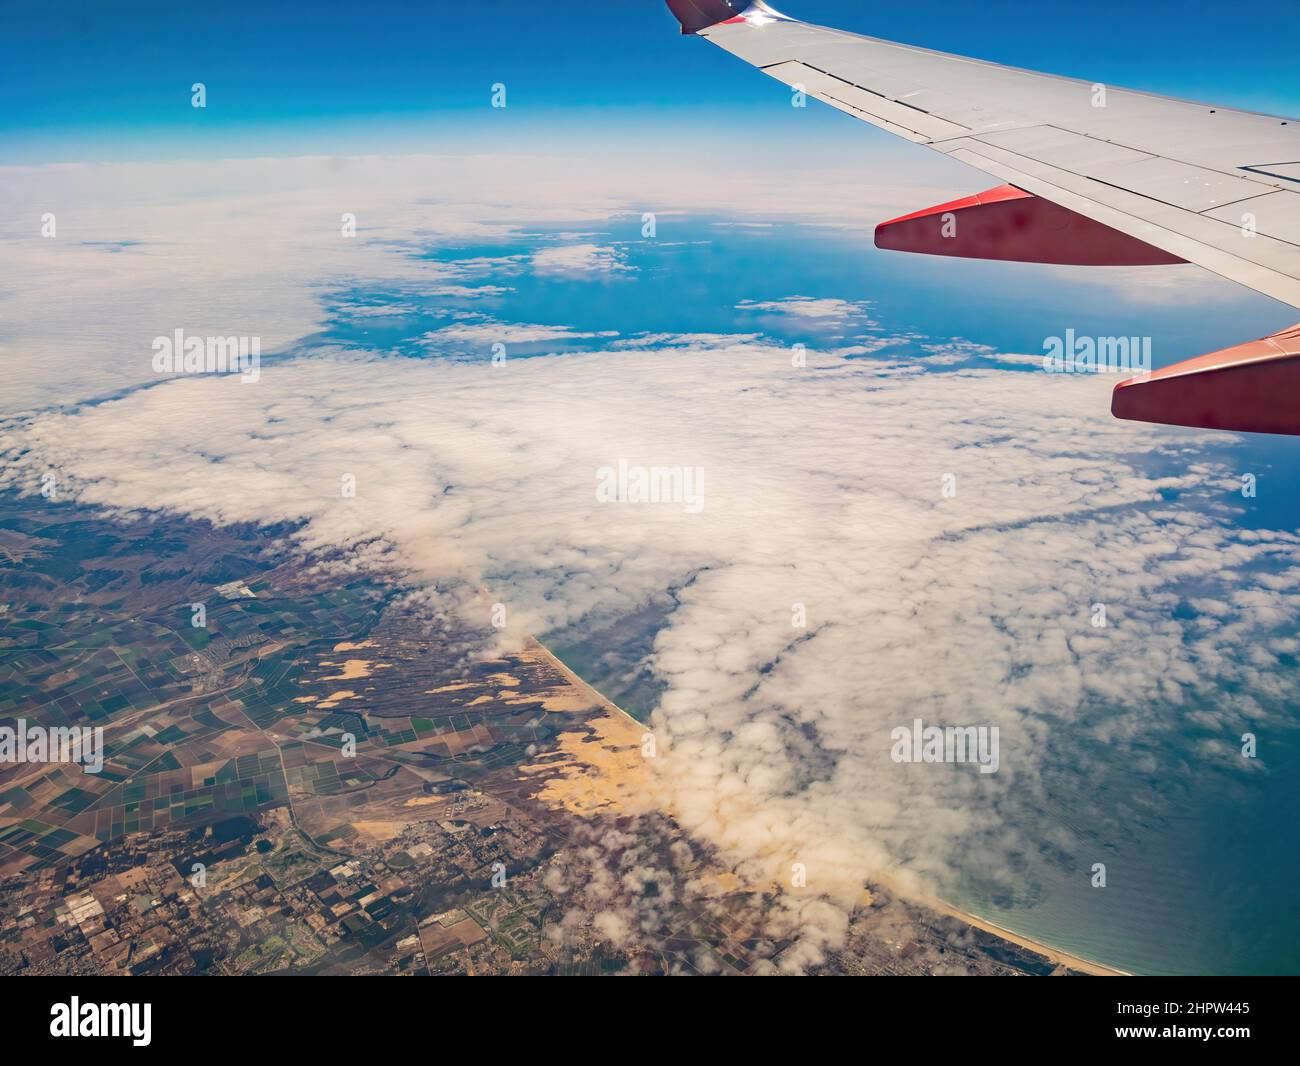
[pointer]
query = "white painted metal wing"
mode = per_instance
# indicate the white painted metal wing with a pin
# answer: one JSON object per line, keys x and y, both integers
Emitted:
{"x": 1211, "y": 185}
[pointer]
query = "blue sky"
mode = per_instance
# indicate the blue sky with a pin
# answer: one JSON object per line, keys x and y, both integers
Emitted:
{"x": 85, "y": 81}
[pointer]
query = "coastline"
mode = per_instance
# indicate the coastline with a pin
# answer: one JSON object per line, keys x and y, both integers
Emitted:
{"x": 1056, "y": 955}
{"x": 1052, "y": 954}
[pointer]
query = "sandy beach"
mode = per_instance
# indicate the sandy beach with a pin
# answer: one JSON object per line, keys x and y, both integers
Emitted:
{"x": 613, "y": 766}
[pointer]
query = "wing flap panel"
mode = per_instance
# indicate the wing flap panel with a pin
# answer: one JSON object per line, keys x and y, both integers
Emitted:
{"x": 1179, "y": 184}
{"x": 872, "y": 106}
{"x": 1061, "y": 148}
{"x": 1276, "y": 214}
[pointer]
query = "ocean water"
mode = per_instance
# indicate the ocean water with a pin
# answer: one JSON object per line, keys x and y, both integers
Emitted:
{"x": 1202, "y": 868}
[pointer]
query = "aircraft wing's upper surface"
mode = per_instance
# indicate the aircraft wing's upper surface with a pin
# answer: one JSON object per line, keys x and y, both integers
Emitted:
{"x": 1178, "y": 175}
{"x": 1209, "y": 185}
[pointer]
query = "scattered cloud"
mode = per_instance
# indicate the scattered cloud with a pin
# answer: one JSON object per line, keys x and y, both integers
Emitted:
{"x": 490, "y": 331}
{"x": 686, "y": 340}
{"x": 580, "y": 259}
{"x": 470, "y": 292}
{"x": 806, "y": 307}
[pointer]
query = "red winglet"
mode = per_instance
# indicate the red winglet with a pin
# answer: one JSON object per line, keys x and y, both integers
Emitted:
{"x": 1010, "y": 224}
{"x": 696, "y": 15}
{"x": 1252, "y": 388}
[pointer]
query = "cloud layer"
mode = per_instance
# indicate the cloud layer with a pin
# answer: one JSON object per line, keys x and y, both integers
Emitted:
{"x": 947, "y": 535}
{"x": 254, "y": 247}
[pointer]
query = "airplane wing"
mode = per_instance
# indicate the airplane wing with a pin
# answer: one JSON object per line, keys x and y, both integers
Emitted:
{"x": 1092, "y": 174}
